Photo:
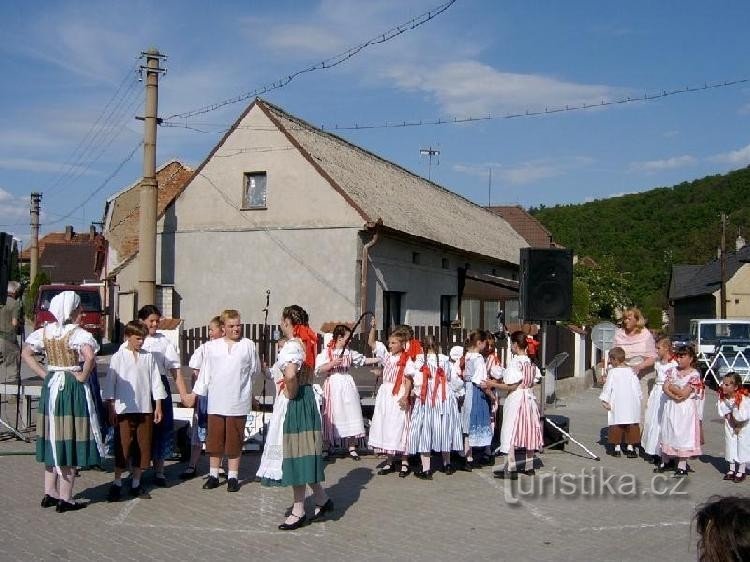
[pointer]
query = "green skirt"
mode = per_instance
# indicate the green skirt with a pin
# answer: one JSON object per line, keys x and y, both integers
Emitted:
{"x": 74, "y": 443}
{"x": 303, "y": 441}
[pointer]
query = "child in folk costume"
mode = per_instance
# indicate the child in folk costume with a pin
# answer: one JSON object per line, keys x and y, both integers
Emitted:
{"x": 200, "y": 415}
{"x": 475, "y": 416}
{"x": 657, "y": 400}
{"x": 734, "y": 408}
{"x": 680, "y": 430}
{"x": 522, "y": 427}
{"x": 435, "y": 420}
{"x": 168, "y": 362}
{"x": 389, "y": 430}
{"x": 226, "y": 375}
{"x": 342, "y": 410}
{"x": 494, "y": 364}
{"x": 67, "y": 425}
{"x": 133, "y": 382}
{"x": 621, "y": 397}
{"x": 413, "y": 346}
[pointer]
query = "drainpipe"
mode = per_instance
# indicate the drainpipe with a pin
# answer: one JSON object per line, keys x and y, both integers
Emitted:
{"x": 363, "y": 273}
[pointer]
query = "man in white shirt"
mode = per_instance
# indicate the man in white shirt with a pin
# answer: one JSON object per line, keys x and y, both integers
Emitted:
{"x": 226, "y": 371}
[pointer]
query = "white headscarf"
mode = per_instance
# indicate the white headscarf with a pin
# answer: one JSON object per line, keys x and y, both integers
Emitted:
{"x": 61, "y": 307}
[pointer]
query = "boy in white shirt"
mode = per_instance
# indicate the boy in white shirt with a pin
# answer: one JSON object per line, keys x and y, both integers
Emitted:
{"x": 621, "y": 397}
{"x": 132, "y": 380}
{"x": 226, "y": 372}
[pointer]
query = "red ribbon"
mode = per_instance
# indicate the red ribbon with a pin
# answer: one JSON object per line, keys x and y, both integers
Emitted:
{"x": 403, "y": 358}
{"x": 439, "y": 382}
{"x": 425, "y": 382}
{"x": 415, "y": 348}
{"x": 309, "y": 341}
{"x": 739, "y": 394}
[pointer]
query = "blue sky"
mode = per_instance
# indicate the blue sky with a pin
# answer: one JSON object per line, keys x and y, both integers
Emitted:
{"x": 62, "y": 62}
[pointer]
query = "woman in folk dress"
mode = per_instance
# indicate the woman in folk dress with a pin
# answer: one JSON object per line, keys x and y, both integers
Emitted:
{"x": 680, "y": 431}
{"x": 435, "y": 420}
{"x": 342, "y": 408}
{"x": 521, "y": 428}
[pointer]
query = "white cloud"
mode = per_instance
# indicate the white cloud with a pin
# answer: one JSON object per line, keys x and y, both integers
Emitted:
{"x": 43, "y": 166}
{"x": 468, "y": 87}
{"x": 525, "y": 172}
{"x": 14, "y": 210}
{"x": 739, "y": 157}
{"x": 654, "y": 166}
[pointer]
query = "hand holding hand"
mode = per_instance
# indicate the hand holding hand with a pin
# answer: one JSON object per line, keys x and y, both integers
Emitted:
{"x": 157, "y": 415}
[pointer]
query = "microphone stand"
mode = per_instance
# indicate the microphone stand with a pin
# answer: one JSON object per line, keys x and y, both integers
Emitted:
{"x": 266, "y": 354}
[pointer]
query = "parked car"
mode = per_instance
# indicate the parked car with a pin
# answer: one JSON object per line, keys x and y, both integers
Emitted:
{"x": 680, "y": 339}
{"x": 729, "y": 356}
{"x": 91, "y": 302}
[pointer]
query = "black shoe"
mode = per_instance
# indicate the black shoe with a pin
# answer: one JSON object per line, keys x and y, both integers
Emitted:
{"x": 465, "y": 466}
{"x": 448, "y": 469}
{"x": 63, "y": 506}
{"x": 616, "y": 453}
{"x": 475, "y": 464}
{"x": 322, "y": 510}
{"x": 530, "y": 472}
{"x": 114, "y": 493}
{"x": 140, "y": 492}
{"x": 424, "y": 474}
{"x": 301, "y": 520}
{"x": 506, "y": 475}
{"x": 386, "y": 469}
{"x": 233, "y": 485}
{"x": 354, "y": 455}
{"x": 680, "y": 472}
{"x": 189, "y": 473}
{"x": 660, "y": 468}
{"x": 160, "y": 480}
{"x": 211, "y": 483}
{"x": 404, "y": 472}
{"x": 631, "y": 454}
{"x": 49, "y": 501}
{"x": 487, "y": 461}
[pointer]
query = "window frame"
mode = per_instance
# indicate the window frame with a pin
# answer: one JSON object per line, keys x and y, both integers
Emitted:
{"x": 246, "y": 176}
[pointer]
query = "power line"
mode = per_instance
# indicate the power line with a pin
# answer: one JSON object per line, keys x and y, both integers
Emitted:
{"x": 323, "y": 65}
{"x": 77, "y": 156}
{"x": 100, "y": 187}
{"x": 490, "y": 117}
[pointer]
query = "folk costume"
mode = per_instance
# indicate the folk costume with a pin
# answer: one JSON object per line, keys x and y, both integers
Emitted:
{"x": 735, "y": 412}
{"x": 655, "y": 410}
{"x": 475, "y": 416}
{"x": 521, "y": 424}
{"x": 680, "y": 430}
{"x": 622, "y": 392}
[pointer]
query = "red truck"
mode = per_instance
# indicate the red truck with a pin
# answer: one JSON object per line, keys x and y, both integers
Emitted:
{"x": 91, "y": 301}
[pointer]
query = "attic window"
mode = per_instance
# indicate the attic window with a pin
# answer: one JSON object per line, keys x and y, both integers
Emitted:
{"x": 416, "y": 258}
{"x": 254, "y": 191}
{"x": 445, "y": 264}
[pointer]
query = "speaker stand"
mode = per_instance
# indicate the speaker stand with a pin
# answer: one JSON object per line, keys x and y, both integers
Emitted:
{"x": 543, "y": 368}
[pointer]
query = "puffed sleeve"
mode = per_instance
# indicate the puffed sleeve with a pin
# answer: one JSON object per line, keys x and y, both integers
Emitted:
{"x": 292, "y": 352}
{"x": 35, "y": 340}
{"x": 321, "y": 360}
{"x": 480, "y": 370}
{"x": 380, "y": 351}
{"x": 410, "y": 369}
{"x": 358, "y": 360}
{"x": 741, "y": 413}
{"x": 81, "y": 337}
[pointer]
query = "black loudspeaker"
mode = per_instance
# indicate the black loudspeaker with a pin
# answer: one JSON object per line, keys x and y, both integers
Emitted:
{"x": 5, "y": 247}
{"x": 546, "y": 284}
{"x": 552, "y": 437}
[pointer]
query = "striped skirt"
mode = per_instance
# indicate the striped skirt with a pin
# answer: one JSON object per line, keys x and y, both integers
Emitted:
{"x": 69, "y": 421}
{"x": 302, "y": 441}
{"x": 435, "y": 428}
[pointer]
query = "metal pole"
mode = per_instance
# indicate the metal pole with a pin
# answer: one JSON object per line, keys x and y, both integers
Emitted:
{"x": 723, "y": 263}
{"x": 36, "y": 199}
{"x": 148, "y": 201}
{"x": 542, "y": 363}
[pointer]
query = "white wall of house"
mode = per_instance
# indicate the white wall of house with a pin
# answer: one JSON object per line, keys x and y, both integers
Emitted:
{"x": 738, "y": 295}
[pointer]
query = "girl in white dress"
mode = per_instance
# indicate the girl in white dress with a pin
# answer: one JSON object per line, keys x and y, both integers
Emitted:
{"x": 435, "y": 421}
{"x": 521, "y": 427}
{"x": 657, "y": 400}
{"x": 389, "y": 430}
{"x": 477, "y": 407}
{"x": 734, "y": 408}
{"x": 621, "y": 397}
{"x": 680, "y": 431}
{"x": 342, "y": 408}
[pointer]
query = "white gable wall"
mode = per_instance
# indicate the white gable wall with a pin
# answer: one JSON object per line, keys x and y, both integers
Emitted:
{"x": 303, "y": 247}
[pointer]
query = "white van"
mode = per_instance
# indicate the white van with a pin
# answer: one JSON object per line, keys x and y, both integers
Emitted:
{"x": 706, "y": 333}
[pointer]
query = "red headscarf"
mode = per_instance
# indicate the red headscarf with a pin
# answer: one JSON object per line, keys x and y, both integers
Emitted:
{"x": 415, "y": 348}
{"x": 309, "y": 342}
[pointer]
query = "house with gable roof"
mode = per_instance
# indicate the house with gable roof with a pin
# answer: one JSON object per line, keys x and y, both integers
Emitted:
{"x": 121, "y": 224}
{"x": 284, "y": 209}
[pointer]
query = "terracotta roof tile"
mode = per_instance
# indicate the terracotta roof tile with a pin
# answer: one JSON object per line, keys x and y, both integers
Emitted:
{"x": 527, "y": 226}
{"x": 122, "y": 228}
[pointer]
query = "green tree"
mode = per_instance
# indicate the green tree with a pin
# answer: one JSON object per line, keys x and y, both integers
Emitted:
{"x": 29, "y": 299}
{"x": 609, "y": 289}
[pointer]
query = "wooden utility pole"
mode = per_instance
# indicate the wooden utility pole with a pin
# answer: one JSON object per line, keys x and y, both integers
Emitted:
{"x": 147, "y": 225}
{"x": 723, "y": 264}
{"x": 36, "y": 200}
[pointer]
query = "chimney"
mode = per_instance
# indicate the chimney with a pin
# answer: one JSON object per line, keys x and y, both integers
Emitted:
{"x": 739, "y": 243}
{"x": 68, "y": 233}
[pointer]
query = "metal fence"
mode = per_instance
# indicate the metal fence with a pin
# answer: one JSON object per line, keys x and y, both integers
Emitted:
{"x": 715, "y": 366}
